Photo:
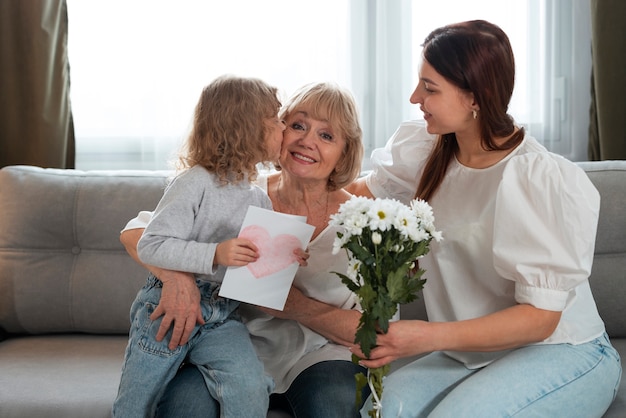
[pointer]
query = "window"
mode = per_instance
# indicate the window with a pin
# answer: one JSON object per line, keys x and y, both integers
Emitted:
{"x": 551, "y": 40}
{"x": 138, "y": 67}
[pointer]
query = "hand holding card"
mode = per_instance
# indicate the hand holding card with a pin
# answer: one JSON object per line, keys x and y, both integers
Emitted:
{"x": 267, "y": 281}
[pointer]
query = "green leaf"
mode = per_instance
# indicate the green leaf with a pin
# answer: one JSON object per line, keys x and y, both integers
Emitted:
{"x": 366, "y": 333}
{"x": 348, "y": 282}
{"x": 367, "y": 295}
{"x": 397, "y": 284}
{"x": 359, "y": 252}
{"x": 405, "y": 289}
{"x": 384, "y": 309}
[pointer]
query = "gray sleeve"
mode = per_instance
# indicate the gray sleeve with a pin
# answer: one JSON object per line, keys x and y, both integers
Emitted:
{"x": 165, "y": 242}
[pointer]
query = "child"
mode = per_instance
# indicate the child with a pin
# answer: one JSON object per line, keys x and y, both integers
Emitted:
{"x": 194, "y": 229}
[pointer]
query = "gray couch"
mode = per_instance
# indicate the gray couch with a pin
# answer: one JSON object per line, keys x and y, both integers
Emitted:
{"x": 66, "y": 283}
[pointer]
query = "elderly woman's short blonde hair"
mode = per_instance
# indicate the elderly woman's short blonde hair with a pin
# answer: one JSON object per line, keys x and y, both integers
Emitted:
{"x": 328, "y": 101}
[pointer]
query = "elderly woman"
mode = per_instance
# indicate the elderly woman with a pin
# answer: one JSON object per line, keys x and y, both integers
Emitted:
{"x": 305, "y": 350}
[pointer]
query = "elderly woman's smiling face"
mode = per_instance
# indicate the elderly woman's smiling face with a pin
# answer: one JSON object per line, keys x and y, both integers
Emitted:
{"x": 311, "y": 147}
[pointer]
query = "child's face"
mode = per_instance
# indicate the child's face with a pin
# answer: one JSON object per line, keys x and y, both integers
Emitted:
{"x": 274, "y": 137}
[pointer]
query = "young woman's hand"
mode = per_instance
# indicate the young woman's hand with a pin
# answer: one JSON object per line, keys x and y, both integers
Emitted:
{"x": 404, "y": 338}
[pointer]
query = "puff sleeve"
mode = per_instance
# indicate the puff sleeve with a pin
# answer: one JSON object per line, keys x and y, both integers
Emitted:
{"x": 545, "y": 225}
{"x": 397, "y": 167}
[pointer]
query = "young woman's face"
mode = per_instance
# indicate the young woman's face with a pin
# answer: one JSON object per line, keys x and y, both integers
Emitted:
{"x": 446, "y": 108}
{"x": 311, "y": 147}
{"x": 274, "y": 136}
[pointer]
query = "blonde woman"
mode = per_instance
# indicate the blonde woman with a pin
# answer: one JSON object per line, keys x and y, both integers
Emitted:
{"x": 305, "y": 346}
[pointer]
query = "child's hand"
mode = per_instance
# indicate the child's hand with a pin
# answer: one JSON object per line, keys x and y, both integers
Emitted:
{"x": 302, "y": 256}
{"x": 236, "y": 252}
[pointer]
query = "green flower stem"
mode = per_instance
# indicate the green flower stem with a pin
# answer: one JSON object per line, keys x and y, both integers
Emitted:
{"x": 374, "y": 380}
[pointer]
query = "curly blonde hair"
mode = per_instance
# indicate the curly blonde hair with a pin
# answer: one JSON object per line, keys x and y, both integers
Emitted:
{"x": 228, "y": 133}
{"x": 328, "y": 101}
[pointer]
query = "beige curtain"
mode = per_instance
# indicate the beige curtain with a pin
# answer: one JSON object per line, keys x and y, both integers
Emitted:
{"x": 36, "y": 125}
{"x": 607, "y": 129}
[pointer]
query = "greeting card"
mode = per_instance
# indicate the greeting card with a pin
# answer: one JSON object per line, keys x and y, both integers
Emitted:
{"x": 267, "y": 281}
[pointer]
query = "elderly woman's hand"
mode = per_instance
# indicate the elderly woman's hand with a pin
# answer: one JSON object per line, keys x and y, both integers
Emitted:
{"x": 179, "y": 306}
{"x": 302, "y": 256}
{"x": 180, "y": 296}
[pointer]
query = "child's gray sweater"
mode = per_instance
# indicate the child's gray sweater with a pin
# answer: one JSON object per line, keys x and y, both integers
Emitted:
{"x": 195, "y": 214}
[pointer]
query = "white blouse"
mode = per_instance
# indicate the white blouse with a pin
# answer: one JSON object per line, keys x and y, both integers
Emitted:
{"x": 285, "y": 346}
{"x": 520, "y": 231}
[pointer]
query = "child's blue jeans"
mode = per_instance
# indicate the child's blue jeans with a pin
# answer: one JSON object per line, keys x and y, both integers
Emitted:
{"x": 221, "y": 349}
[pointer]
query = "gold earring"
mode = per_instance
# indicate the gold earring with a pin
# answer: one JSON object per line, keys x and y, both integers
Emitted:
{"x": 475, "y": 113}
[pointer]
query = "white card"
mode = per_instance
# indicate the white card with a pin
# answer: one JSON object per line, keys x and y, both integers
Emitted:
{"x": 267, "y": 281}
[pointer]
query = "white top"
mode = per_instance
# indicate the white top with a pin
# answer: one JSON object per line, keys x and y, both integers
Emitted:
{"x": 286, "y": 347}
{"x": 521, "y": 231}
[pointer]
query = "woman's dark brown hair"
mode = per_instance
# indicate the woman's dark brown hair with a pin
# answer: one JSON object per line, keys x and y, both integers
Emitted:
{"x": 476, "y": 56}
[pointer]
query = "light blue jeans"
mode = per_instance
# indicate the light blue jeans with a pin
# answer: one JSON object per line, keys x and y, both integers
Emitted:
{"x": 221, "y": 350}
{"x": 560, "y": 380}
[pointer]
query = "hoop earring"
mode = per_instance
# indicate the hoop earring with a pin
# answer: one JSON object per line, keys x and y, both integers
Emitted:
{"x": 475, "y": 113}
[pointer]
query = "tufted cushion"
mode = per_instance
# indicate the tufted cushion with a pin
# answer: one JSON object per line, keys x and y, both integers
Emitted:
{"x": 63, "y": 267}
{"x": 608, "y": 275}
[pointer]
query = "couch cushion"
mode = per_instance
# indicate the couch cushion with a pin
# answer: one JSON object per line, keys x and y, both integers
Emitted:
{"x": 608, "y": 275}
{"x": 63, "y": 267}
{"x": 60, "y": 376}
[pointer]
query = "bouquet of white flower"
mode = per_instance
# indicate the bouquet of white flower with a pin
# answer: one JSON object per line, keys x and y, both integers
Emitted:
{"x": 383, "y": 238}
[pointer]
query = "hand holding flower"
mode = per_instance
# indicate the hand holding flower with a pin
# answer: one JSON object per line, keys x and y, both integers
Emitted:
{"x": 405, "y": 338}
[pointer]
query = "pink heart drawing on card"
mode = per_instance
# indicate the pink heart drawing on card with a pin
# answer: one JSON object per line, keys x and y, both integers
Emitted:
{"x": 275, "y": 254}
